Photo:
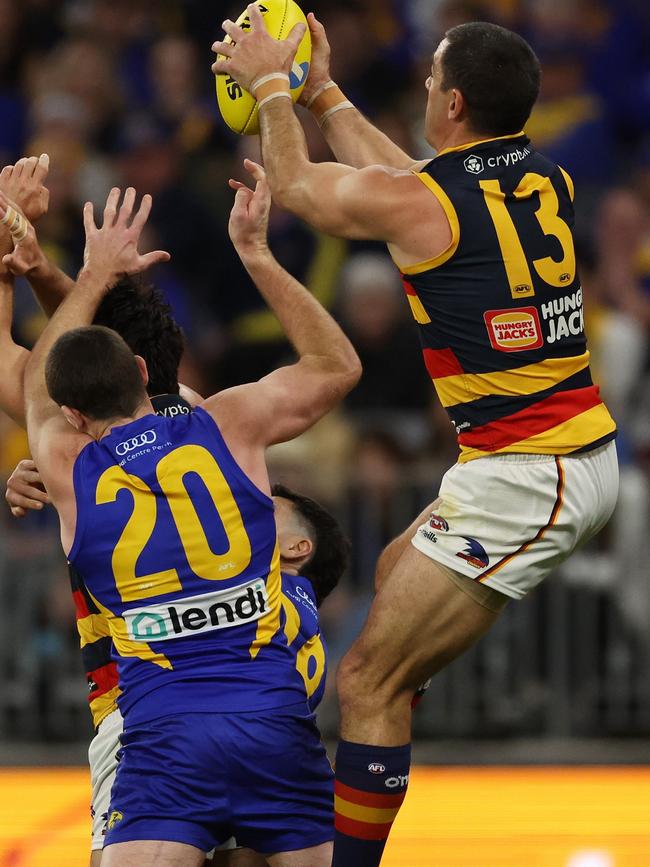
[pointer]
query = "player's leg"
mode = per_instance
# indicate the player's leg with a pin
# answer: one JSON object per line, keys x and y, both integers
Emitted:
{"x": 280, "y": 785}
{"x": 102, "y": 759}
{"x": 152, "y": 853}
{"x": 419, "y": 621}
{"x": 316, "y": 856}
{"x": 239, "y": 858}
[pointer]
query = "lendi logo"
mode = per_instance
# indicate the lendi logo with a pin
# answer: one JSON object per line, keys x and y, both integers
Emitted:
{"x": 221, "y": 610}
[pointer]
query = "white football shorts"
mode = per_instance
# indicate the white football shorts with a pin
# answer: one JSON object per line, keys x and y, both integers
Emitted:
{"x": 507, "y": 520}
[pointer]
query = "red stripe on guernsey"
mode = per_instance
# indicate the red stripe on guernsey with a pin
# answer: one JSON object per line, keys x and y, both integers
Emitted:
{"x": 533, "y": 420}
{"x": 80, "y": 604}
{"x": 105, "y": 677}
{"x": 408, "y": 288}
{"x": 441, "y": 362}
{"x": 361, "y": 830}
{"x": 368, "y": 799}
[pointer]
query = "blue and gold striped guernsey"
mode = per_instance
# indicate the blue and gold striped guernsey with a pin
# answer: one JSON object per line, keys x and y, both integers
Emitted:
{"x": 178, "y": 549}
{"x": 500, "y": 311}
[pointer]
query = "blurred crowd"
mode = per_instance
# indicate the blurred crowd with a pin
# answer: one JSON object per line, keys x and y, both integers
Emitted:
{"x": 120, "y": 92}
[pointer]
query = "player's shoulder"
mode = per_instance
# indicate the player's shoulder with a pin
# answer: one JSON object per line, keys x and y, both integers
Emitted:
{"x": 301, "y": 592}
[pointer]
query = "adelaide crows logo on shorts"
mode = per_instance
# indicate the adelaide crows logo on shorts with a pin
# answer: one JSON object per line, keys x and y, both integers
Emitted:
{"x": 438, "y": 523}
{"x": 474, "y": 553}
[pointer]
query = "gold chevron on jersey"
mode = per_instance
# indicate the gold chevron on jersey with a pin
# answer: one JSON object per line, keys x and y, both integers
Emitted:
{"x": 529, "y": 379}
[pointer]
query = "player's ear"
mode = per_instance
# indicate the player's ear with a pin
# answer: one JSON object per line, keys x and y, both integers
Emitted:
{"x": 297, "y": 551}
{"x": 74, "y": 418}
{"x": 456, "y": 105}
{"x": 142, "y": 366}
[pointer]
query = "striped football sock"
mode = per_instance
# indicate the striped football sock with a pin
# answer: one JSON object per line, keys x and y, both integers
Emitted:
{"x": 368, "y": 792}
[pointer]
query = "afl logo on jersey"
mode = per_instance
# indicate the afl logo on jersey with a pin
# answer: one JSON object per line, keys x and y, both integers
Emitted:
{"x": 144, "y": 439}
{"x": 514, "y": 330}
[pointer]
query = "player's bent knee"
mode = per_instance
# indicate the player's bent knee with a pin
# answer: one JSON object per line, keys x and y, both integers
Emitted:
{"x": 363, "y": 684}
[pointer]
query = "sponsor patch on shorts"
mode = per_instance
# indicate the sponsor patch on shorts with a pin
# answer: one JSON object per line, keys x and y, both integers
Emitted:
{"x": 514, "y": 330}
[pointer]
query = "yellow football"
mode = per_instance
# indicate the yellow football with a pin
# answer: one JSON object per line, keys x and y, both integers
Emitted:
{"x": 238, "y": 108}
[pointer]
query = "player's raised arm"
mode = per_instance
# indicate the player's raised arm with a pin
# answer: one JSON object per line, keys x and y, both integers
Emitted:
{"x": 354, "y": 140}
{"x": 288, "y": 401}
{"x": 14, "y": 357}
{"x": 25, "y": 185}
{"x": 110, "y": 252}
{"x": 372, "y": 203}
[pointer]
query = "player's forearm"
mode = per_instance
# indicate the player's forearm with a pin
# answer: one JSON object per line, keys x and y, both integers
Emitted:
{"x": 51, "y": 286}
{"x": 14, "y": 357}
{"x": 285, "y": 154}
{"x": 307, "y": 325}
{"x": 353, "y": 139}
{"x": 78, "y": 309}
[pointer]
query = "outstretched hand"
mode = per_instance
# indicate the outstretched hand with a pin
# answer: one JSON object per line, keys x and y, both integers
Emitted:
{"x": 113, "y": 250}
{"x": 249, "y": 55}
{"x": 249, "y": 218}
{"x": 25, "y": 491}
{"x": 24, "y": 185}
{"x": 27, "y": 254}
{"x": 319, "y": 70}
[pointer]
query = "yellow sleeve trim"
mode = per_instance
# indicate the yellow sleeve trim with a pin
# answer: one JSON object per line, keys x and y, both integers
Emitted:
{"x": 454, "y": 223}
{"x": 569, "y": 183}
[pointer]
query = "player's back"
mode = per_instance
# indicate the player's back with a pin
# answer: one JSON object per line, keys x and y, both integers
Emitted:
{"x": 178, "y": 548}
{"x": 500, "y": 311}
{"x": 302, "y": 628}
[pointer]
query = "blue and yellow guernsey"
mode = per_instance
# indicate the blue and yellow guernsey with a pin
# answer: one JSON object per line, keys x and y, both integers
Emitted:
{"x": 500, "y": 311}
{"x": 178, "y": 550}
{"x": 302, "y": 628}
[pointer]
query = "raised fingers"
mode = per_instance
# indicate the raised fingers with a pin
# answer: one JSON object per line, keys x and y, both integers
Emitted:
{"x": 256, "y": 17}
{"x": 111, "y": 207}
{"x": 142, "y": 214}
{"x": 154, "y": 258}
{"x": 127, "y": 206}
{"x": 30, "y": 166}
{"x": 89, "y": 219}
{"x": 233, "y": 30}
{"x": 42, "y": 167}
{"x": 255, "y": 169}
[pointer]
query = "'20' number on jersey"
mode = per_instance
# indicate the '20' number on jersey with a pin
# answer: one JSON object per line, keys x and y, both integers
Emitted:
{"x": 170, "y": 474}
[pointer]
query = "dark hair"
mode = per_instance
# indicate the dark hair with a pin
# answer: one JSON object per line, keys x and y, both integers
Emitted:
{"x": 331, "y": 547}
{"x": 92, "y": 370}
{"x": 142, "y": 317}
{"x": 497, "y": 72}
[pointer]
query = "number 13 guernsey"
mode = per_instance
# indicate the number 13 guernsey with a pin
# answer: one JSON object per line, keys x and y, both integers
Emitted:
{"x": 500, "y": 311}
{"x": 178, "y": 549}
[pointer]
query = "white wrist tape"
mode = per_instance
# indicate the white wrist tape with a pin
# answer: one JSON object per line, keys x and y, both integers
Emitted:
{"x": 320, "y": 90}
{"x": 16, "y": 224}
{"x": 264, "y": 78}
{"x": 330, "y": 111}
{"x": 276, "y": 95}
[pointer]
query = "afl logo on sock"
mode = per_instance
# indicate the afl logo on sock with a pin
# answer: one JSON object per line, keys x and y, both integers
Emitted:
{"x": 377, "y": 768}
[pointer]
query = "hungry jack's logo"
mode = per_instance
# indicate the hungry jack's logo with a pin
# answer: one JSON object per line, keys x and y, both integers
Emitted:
{"x": 514, "y": 330}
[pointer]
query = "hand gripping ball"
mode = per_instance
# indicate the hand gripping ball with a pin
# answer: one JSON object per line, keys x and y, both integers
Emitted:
{"x": 238, "y": 108}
